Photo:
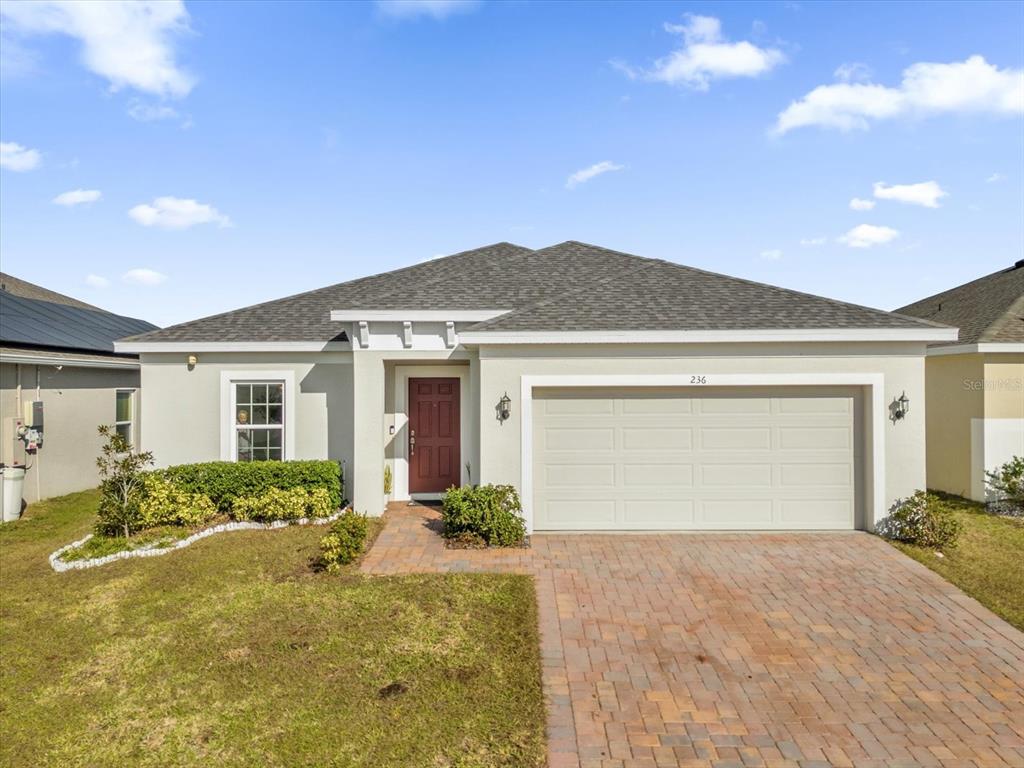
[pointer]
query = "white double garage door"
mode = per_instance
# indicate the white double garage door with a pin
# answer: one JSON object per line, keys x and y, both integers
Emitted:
{"x": 697, "y": 459}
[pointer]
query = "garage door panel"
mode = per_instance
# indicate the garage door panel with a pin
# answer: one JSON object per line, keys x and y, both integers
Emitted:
{"x": 657, "y": 476}
{"x": 581, "y": 476}
{"x": 567, "y": 439}
{"x": 568, "y": 514}
{"x": 726, "y": 459}
{"x": 737, "y": 406}
{"x": 816, "y": 475}
{"x": 657, "y": 438}
{"x": 815, "y": 438}
{"x": 658, "y": 406}
{"x": 735, "y": 513}
{"x": 811, "y": 405}
{"x": 736, "y": 475}
{"x": 735, "y": 438}
{"x": 657, "y": 513}
{"x": 816, "y": 513}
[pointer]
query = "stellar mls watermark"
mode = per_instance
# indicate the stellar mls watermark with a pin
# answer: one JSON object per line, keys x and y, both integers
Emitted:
{"x": 1010, "y": 384}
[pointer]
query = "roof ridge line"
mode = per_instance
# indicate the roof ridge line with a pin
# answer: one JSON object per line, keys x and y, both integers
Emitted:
{"x": 562, "y": 297}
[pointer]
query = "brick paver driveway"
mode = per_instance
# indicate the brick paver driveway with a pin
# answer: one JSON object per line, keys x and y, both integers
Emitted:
{"x": 748, "y": 650}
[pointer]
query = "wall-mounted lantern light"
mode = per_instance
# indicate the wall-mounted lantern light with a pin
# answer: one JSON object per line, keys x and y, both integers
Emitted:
{"x": 191, "y": 361}
{"x": 900, "y": 407}
{"x": 504, "y": 408}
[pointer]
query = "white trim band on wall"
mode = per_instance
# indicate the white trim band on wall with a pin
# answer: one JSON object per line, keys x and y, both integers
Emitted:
{"x": 992, "y": 347}
{"x": 640, "y": 336}
{"x": 875, "y": 382}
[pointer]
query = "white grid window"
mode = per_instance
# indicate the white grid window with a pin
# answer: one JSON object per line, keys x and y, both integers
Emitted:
{"x": 259, "y": 416}
{"x": 123, "y": 415}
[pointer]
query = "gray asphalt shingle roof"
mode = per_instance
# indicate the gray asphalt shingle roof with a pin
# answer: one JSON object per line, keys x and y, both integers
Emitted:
{"x": 35, "y": 323}
{"x": 569, "y": 286}
{"x": 989, "y": 309}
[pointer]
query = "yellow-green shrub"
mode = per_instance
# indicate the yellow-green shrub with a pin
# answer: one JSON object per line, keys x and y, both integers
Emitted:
{"x": 345, "y": 541}
{"x": 279, "y": 504}
{"x": 164, "y": 503}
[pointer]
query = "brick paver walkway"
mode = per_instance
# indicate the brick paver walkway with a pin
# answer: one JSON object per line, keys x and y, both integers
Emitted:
{"x": 750, "y": 650}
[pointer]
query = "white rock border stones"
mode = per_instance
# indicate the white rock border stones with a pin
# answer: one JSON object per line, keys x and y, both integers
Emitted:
{"x": 153, "y": 550}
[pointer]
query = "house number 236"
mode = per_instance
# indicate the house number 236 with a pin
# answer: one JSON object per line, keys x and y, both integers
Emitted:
{"x": 698, "y": 379}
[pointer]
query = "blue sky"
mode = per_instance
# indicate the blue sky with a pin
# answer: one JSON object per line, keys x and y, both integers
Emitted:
{"x": 221, "y": 154}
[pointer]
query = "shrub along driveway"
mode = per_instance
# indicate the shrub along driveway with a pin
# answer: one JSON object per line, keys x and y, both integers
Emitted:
{"x": 737, "y": 650}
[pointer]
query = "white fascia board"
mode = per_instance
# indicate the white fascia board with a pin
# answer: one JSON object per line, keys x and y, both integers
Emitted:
{"x": 412, "y": 315}
{"x": 693, "y": 337}
{"x": 991, "y": 347}
{"x": 230, "y": 346}
{"x": 69, "y": 362}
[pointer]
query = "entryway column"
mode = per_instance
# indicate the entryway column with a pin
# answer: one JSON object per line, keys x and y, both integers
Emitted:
{"x": 368, "y": 432}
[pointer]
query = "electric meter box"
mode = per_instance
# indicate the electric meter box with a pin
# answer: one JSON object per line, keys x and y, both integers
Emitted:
{"x": 32, "y": 414}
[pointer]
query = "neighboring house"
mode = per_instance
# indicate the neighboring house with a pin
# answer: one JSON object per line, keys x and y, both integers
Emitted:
{"x": 639, "y": 394}
{"x": 975, "y": 383}
{"x": 60, "y": 351}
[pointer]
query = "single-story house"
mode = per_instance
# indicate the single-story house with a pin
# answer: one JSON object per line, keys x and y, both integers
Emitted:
{"x": 975, "y": 383}
{"x": 615, "y": 392}
{"x": 59, "y": 351}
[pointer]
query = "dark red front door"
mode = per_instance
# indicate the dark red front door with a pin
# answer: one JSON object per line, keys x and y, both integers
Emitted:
{"x": 433, "y": 435}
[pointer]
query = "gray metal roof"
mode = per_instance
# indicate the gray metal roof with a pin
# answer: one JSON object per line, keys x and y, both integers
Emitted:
{"x": 569, "y": 286}
{"x": 34, "y": 323}
{"x": 989, "y": 309}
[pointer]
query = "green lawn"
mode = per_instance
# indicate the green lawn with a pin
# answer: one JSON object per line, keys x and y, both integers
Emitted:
{"x": 233, "y": 652}
{"x": 987, "y": 561}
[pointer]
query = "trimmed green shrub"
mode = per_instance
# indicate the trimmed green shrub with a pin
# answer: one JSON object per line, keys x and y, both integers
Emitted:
{"x": 1007, "y": 482}
{"x": 492, "y": 512}
{"x": 225, "y": 481}
{"x": 344, "y": 542}
{"x": 165, "y": 503}
{"x": 921, "y": 519}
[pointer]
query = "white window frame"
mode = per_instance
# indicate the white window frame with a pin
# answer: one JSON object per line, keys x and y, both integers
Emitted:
{"x": 131, "y": 414}
{"x": 228, "y": 433}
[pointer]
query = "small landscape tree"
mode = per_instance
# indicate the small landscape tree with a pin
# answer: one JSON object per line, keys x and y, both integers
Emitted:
{"x": 121, "y": 483}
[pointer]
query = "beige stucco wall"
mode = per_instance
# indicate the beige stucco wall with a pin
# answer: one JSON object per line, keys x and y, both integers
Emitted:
{"x": 75, "y": 402}
{"x": 1004, "y": 386}
{"x": 955, "y": 398}
{"x": 902, "y": 365}
{"x": 975, "y": 418}
{"x": 182, "y": 415}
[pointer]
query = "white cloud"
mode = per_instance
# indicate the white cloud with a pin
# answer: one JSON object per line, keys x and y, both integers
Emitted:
{"x": 148, "y": 113}
{"x": 927, "y": 193}
{"x": 586, "y": 174}
{"x": 868, "y": 235}
{"x": 772, "y": 254}
{"x": 96, "y": 281}
{"x": 811, "y": 242}
{"x": 130, "y": 44}
{"x": 970, "y": 86}
{"x": 860, "y": 204}
{"x": 705, "y": 56}
{"x": 853, "y": 72}
{"x": 77, "y": 197}
{"x": 995, "y": 177}
{"x": 15, "y": 157}
{"x": 143, "y": 276}
{"x": 177, "y": 213}
{"x": 437, "y": 9}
